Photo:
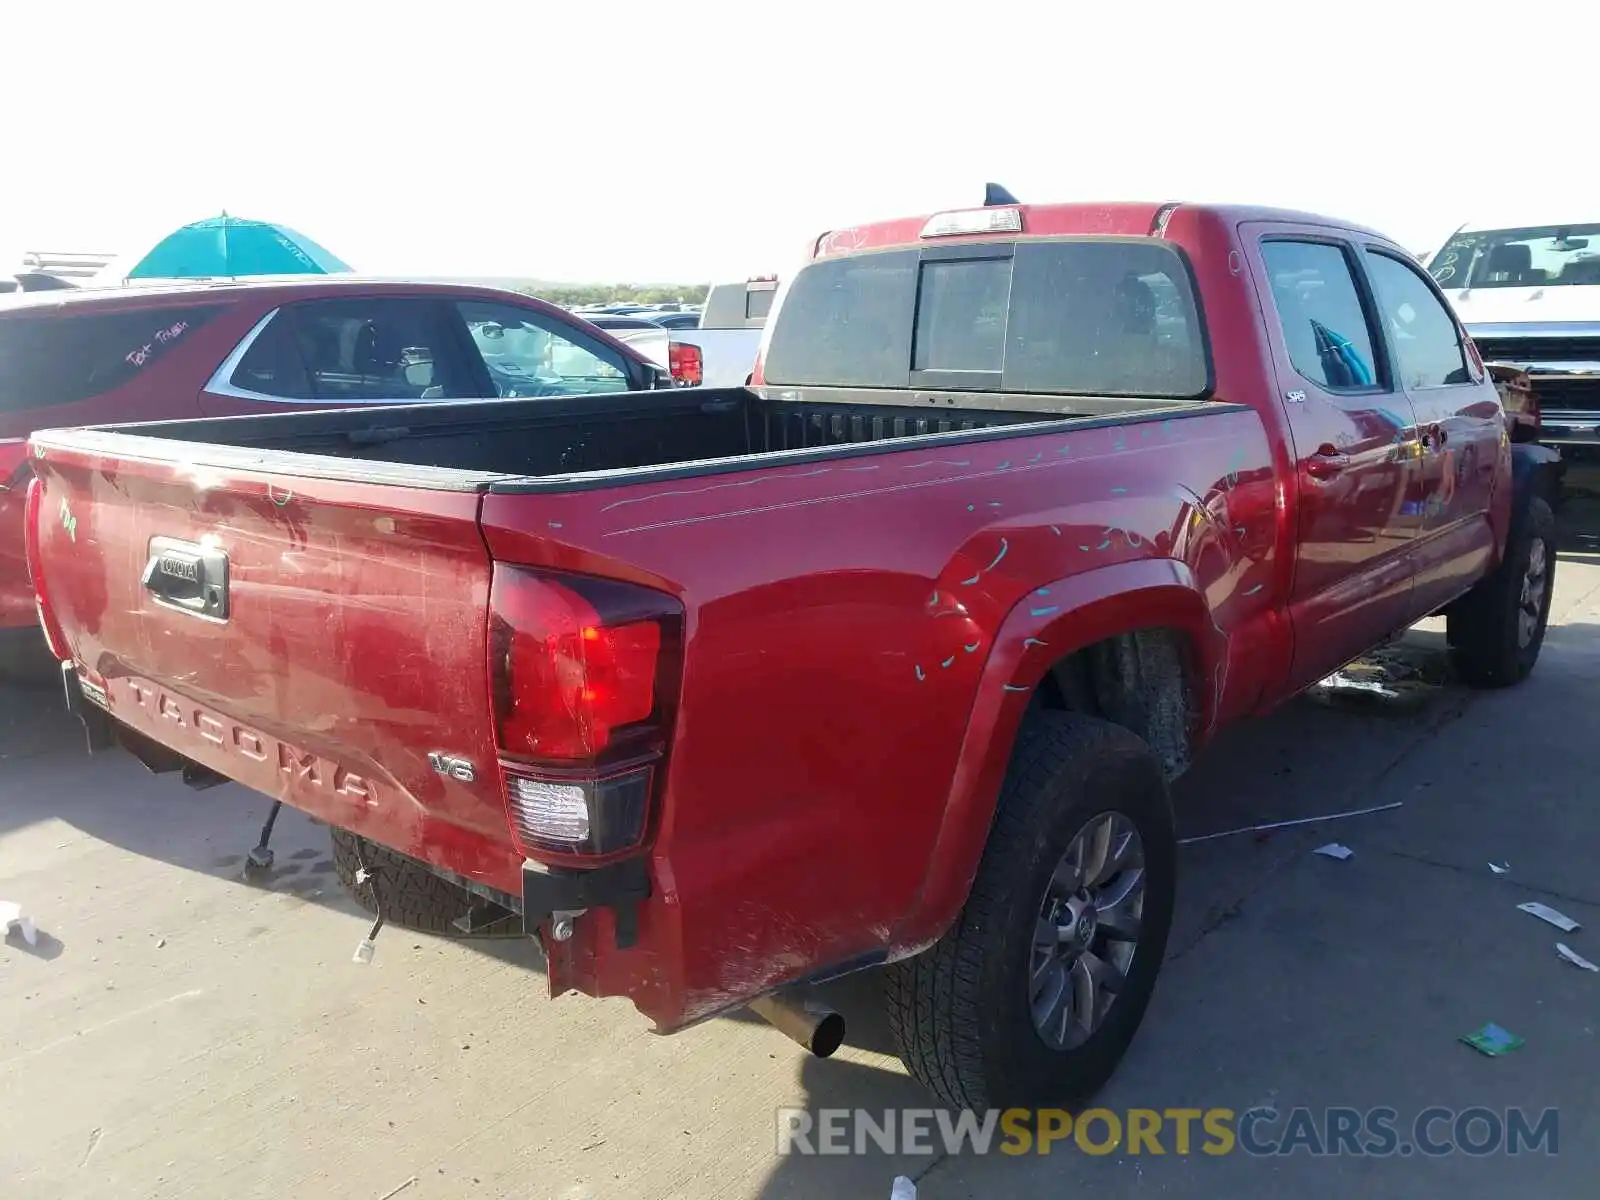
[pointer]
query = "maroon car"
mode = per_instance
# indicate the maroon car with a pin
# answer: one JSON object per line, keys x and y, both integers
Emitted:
{"x": 159, "y": 352}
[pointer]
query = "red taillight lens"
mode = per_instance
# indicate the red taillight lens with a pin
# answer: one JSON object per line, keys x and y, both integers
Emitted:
{"x": 687, "y": 364}
{"x": 41, "y": 596}
{"x": 584, "y": 675}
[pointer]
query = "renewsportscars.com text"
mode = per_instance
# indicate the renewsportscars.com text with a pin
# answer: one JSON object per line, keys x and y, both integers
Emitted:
{"x": 1257, "y": 1132}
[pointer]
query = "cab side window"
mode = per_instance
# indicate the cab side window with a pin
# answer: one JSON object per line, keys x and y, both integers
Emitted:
{"x": 1427, "y": 347}
{"x": 526, "y": 354}
{"x": 1324, "y": 322}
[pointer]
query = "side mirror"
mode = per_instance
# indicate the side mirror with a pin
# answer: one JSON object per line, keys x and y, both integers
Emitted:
{"x": 419, "y": 374}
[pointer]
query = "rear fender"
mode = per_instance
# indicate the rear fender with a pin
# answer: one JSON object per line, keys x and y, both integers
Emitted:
{"x": 1049, "y": 624}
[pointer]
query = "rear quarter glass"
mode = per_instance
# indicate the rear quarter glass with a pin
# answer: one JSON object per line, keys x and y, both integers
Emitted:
{"x": 59, "y": 359}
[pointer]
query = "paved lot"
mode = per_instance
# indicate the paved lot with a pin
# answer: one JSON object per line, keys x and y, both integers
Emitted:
{"x": 178, "y": 1032}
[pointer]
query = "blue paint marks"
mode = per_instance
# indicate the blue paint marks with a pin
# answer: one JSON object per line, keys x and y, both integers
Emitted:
{"x": 1004, "y": 546}
{"x": 1144, "y": 432}
{"x": 1033, "y": 641}
{"x": 972, "y": 508}
{"x": 1119, "y": 491}
{"x": 1055, "y": 530}
{"x": 949, "y": 662}
{"x": 934, "y": 599}
{"x": 555, "y": 524}
{"x": 970, "y": 582}
{"x": 1005, "y": 466}
{"x": 1133, "y": 539}
{"x": 1043, "y": 612}
{"x": 1255, "y": 589}
{"x": 920, "y": 675}
{"x": 1011, "y": 687}
{"x": 1042, "y": 592}
{"x": 1064, "y": 450}
{"x": 972, "y": 649}
{"x": 1037, "y": 457}
{"x": 1166, "y": 427}
{"x": 994, "y": 504}
{"x": 1085, "y": 549}
{"x": 1103, "y": 544}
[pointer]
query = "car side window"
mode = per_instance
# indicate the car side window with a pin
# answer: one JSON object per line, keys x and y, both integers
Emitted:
{"x": 528, "y": 354}
{"x": 361, "y": 350}
{"x": 1427, "y": 346}
{"x": 1325, "y": 324}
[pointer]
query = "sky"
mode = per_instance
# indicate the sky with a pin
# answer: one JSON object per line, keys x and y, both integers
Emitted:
{"x": 637, "y": 140}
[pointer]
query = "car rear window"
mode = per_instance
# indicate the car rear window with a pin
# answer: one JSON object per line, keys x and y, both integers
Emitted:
{"x": 1087, "y": 316}
{"x": 60, "y": 357}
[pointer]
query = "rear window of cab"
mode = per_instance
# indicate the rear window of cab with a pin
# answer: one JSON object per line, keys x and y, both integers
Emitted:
{"x": 1070, "y": 316}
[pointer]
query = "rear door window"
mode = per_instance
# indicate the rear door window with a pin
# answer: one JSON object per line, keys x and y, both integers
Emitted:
{"x": 1087, "y": 316}
{"x": 356, "y": 351}
{"x": 66, "y": 357}
{"x": 1325, "y": 325}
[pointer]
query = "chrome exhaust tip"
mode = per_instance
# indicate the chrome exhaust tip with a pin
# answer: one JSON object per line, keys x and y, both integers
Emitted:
{"x": 802, "y": 1019}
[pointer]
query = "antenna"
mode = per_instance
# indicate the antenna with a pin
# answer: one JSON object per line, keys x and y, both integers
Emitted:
{"x": 994, "y": 194}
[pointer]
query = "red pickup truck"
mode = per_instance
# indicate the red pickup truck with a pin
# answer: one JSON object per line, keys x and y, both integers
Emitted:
{"x": 886, "y": 659}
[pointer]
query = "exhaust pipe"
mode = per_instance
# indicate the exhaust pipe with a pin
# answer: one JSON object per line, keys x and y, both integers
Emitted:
{"x": 804, "y": 1020}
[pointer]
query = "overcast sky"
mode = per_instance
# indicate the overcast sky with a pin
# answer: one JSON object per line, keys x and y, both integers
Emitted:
{"x": 632, "y": 140}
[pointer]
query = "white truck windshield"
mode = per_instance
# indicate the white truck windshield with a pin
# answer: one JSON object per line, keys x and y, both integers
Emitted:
{"x": 1536, "y": 256}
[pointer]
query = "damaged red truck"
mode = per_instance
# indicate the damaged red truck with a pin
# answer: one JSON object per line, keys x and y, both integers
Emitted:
{"x": 886, "y": 659}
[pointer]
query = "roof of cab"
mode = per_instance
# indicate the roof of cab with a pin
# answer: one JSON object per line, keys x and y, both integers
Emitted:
{"x": 1108, "y": 219}
{"x": 162, "y": 293}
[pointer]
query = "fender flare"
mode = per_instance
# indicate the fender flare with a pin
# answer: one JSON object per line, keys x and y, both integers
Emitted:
{"x": 1535, "y": 470}
{"x": 1047, "y": 625}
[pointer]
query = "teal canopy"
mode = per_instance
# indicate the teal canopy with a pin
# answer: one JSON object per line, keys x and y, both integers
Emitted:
{"x": 227, "y": 246}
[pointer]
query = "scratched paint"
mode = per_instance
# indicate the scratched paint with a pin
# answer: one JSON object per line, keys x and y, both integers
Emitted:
{"x": 1043, "y": 612}
{"x": 1033, "y": 641}
{"x": 949, "y": 662}
{"x": 920, "y": 675}
{"x": 68, "y": 521}
{"x": 973, "y": 648}
{"x": 1012, "y": 687}
{"x": 1254, "y": 590}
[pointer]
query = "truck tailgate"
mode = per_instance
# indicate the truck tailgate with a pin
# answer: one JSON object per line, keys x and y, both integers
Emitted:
{"x": 314, "y": 639}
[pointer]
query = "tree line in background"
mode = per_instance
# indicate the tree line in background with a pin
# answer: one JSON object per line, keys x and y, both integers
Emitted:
{"x": 572, "y": 295}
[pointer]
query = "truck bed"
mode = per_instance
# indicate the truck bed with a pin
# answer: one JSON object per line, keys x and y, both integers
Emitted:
{"x": 474, "y": 445}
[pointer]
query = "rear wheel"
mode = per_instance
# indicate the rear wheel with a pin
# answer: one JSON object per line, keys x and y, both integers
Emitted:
{"x": 413, "y": 897}
{"x": 1496, "y": 630}
{"x": 1035, "y": 993}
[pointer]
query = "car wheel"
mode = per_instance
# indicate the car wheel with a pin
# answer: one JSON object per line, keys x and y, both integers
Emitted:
{"x": 1034, "y": 994}
{"x": 1496, "y": 630}
{"x": 413, "y": 896}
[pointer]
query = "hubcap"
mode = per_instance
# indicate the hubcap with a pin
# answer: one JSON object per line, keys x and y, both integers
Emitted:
{"x": 1535, "y": 581}
{"x": 1087, "y": 931}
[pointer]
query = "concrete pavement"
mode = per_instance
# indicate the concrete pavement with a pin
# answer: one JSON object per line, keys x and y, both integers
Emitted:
{"x": 179, "y": 1033}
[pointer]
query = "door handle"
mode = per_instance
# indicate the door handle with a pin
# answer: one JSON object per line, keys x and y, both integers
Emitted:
{"x": 1327, "y": 462}
{"x": 1434, "y": 437}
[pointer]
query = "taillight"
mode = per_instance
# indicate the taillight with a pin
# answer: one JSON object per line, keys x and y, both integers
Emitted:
{"x": 41, "y": 595}
{"x": 686, "y": 363}
{"x": 584, "y": 674}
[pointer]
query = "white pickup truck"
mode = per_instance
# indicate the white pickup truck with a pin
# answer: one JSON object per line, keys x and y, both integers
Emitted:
{"x": 1529, "y": 294}
{"x": 727, "y": 338}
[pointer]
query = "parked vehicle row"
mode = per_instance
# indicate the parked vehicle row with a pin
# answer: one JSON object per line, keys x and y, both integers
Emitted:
{"x": 887, "y": 659}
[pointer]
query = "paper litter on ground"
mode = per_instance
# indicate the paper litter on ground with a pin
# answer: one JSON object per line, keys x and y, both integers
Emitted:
{"x": 1492, "y": 1040}
{"x": 1334, "y": 850}
{"x": 11, "y": 914}
{"x": 1500, "y": 868}
{"x": 903, "y": 1189}
{"x": 1545, "y": 913}
{"x": 1573, "y": 957}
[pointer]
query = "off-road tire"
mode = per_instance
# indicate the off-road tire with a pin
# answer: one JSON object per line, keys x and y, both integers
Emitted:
{"x": 413, "y": 897}
{"x": 959, "y": 1011}
{"x": 1481, "y": 627}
